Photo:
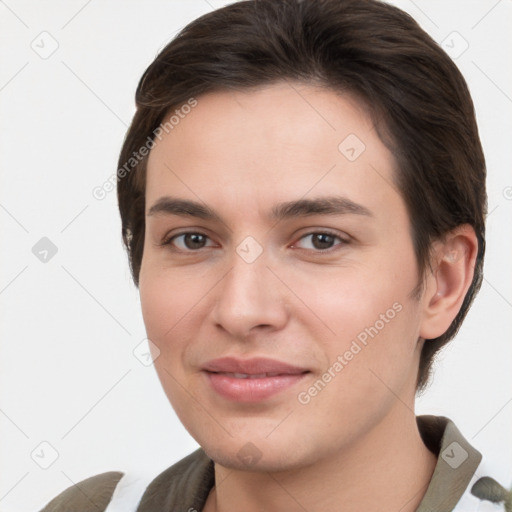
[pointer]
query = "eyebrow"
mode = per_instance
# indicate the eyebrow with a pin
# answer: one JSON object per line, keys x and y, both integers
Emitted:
{"x": 331, "y": 205}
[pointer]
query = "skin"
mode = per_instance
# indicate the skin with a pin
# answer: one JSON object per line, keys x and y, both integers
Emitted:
{"x": 241, "y": 153}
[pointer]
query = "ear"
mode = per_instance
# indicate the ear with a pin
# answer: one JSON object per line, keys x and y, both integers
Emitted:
{"x": 453, "y": 264}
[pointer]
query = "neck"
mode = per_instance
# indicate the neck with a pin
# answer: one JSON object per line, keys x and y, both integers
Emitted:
{"x": 388, "y": 469}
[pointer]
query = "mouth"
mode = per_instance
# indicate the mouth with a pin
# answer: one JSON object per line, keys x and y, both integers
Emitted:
{"x": 254, "y": 376}
{"x": 251, "y": 380}
{"x": 256, "y": 367}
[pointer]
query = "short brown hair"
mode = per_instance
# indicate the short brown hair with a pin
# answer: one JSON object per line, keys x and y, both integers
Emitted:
{"x": 418, "y": 99}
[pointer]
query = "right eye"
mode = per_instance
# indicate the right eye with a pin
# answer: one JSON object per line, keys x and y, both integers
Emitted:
{"x": 188, "y": 242}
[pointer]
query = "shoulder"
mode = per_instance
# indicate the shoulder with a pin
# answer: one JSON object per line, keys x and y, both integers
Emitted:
{"x": 463, "y": 480}
{"x": 184, "y": 485}
{"x": 90, "y": 495}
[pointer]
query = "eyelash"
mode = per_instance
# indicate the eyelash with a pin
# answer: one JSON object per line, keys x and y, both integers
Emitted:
{"x": 169, "y": 240}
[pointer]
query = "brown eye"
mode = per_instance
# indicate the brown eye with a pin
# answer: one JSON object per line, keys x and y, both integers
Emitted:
{"x": 320, "y": 241}
{"x": 189, "y": 241}
{"x": 194, "y": 241}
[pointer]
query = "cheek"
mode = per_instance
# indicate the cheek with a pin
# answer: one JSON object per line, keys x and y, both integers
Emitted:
{"x": 363, "y": 309}
{"x": 167, "y": 303}
{"x": 167, "y": 297}
{"x": 174, "y": 305}
{"x": 370, "y": 358}
{"x": 162, "y": 309}
{"x": 157, "y": 306}
{"x": 349, "y": 300}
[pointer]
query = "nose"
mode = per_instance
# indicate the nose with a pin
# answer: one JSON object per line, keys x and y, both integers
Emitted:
{"x": 249, "y": 299}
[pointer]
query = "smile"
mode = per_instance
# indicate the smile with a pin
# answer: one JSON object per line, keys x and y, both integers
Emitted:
{"x": 250, "y": 388}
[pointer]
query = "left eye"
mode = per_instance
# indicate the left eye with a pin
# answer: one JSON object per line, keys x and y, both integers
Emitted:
{"x": 319, "y": 241}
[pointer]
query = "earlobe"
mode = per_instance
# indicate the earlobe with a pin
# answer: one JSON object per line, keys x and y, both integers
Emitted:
{"x": 453, "y": 266}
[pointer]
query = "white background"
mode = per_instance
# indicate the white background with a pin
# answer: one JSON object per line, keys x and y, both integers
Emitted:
{"x": 68, "y": 375}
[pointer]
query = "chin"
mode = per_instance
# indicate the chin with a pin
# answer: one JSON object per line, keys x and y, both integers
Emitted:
{"x": 258, "y": 455}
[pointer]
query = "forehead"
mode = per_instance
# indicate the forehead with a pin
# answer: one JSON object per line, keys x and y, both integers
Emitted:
{"x": 254, "y": 147}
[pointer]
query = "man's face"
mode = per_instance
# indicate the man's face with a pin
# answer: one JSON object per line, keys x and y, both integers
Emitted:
{"x": 326, "y": 290}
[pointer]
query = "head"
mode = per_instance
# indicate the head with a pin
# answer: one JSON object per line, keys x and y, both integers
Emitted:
{"x": 342, "y": 140}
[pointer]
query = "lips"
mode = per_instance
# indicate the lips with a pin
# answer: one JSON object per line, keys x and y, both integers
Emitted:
{"x": 250, "y": 376}
{"x": 251, "y": 380}
{"x": 256, "y": 367}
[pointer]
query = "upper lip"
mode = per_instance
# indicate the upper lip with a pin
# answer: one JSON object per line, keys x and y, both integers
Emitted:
{"x": 254, "y": 366}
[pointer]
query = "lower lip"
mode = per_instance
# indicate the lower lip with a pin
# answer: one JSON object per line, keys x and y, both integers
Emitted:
{"x": 251, "y": 390}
